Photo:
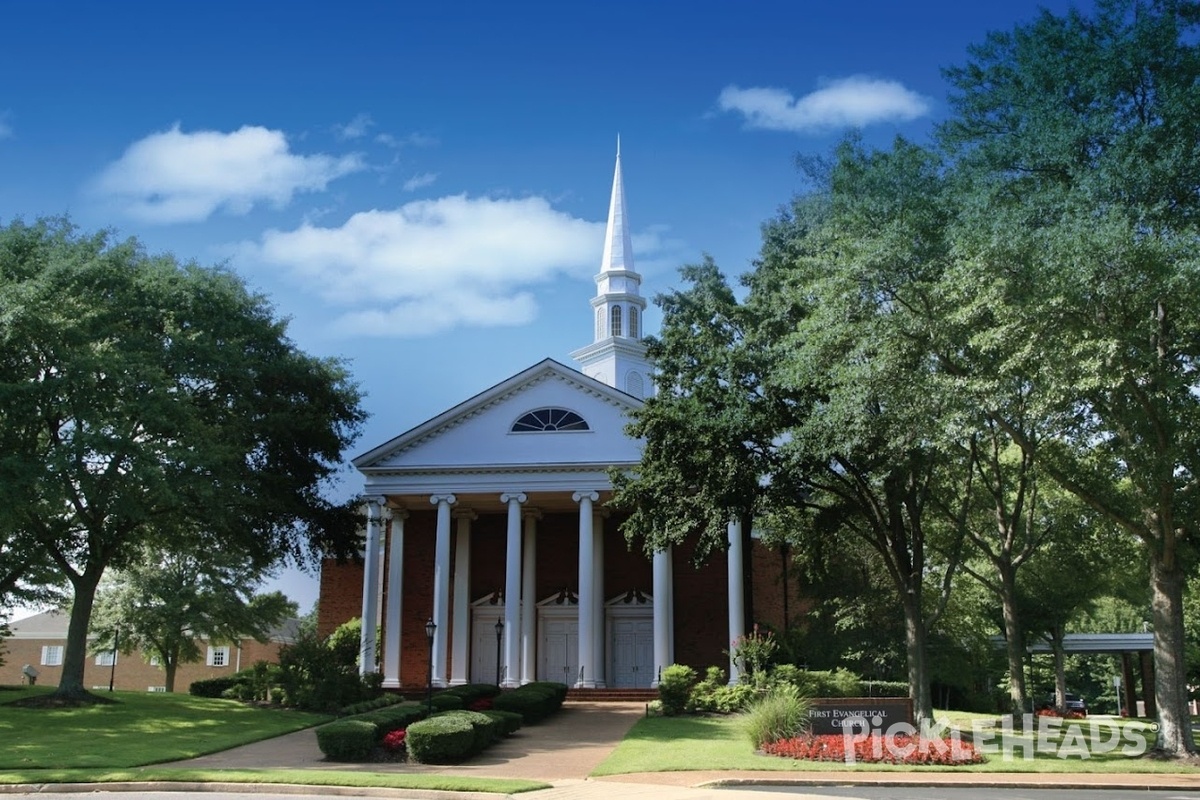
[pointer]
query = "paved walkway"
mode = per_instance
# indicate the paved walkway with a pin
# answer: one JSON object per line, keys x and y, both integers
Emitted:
{"x": 564, "y": 750}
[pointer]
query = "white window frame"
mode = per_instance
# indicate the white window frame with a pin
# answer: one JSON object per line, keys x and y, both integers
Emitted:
{"x": 106, "y": 658}
{"x": 52, "y": 655}
{"x": 218, "y": 656}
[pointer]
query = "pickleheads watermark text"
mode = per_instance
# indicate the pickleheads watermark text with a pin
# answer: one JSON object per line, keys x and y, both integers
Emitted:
{"x": 865, "y": 738}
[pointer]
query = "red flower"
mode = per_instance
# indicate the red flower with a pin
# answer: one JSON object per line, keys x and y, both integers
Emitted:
{"x": 394, "y": 740}
{"x": 482, "y": 704}
{"x": 876, "y": 749}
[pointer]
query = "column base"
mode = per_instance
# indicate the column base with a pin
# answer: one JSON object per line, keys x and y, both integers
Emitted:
{"x": 390, "y": 683}
{"x": 458, "y": 681}
{"x": 585, "y": 685}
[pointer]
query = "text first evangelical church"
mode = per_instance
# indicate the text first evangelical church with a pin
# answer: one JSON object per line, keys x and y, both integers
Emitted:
{"x": 490, "y": 522}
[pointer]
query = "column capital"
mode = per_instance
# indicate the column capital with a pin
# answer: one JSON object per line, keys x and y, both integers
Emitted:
{"x": 589, "y": 495}
{"x": 385, "y": 513}
{"x": 376, "y": 500}
{"x": 399, "y": 513}
{"x": 508, "y": 497}
{"x": 464, "y": 513}
{"x": 436, "y": 499}
{"x": 531, "y": 513}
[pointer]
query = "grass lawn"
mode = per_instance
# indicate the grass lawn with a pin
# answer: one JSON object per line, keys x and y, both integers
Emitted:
{"x": 692, "y": 743}
{"x": 122, "y": 740}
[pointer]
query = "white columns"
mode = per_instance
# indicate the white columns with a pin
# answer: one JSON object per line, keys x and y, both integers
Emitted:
{"x": 395, "y": 597}
{"x": 737, "y": 610}
{"x": 587, "y": 589}
{"x": 441, "y": 587}
{"x": 598, "y": 598}
{"x": 663, "y": 592}
{"x": 370, "y": 601}
{"x": 512, "y": 588}
{"x": 529, "y": 598}
{"x": 459, "y": 661}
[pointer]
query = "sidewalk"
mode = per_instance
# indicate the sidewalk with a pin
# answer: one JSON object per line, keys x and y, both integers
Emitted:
{"x": 564, "y": 750}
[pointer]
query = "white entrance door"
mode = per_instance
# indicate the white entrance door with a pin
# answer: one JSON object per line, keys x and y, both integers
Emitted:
{"x": 633, "y": 653}
{"x": 559, "y": 650}
{"x": 483, "y": 649}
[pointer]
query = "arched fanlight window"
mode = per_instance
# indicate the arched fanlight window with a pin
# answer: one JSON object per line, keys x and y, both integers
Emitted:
{"x": 615, "y": 328}
{"x": 550, "y": 419}
{"x": 633, "y": 323}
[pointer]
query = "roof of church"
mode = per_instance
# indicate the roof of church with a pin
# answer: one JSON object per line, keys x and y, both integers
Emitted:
{"x": 618, "y": 242}
{"x": 545, "y": 369}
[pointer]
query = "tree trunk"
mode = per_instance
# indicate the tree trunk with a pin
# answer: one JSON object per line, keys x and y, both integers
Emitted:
{"x": 1170, "y": 673}
{"x": 1057, "y": 637}
{"x": 169, "y": 667}
{"x": 1014, "y": 637}
{"x": 918, "y": 669}
{"x": 70, "y": 685}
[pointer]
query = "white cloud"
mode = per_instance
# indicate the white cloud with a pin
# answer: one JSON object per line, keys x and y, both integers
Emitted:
{"x": 433, "y": 265}
{"x": 355, "y": 128}
{"x": 185, "y": 177}
{"x": 420, "y": 181}
{"x": 412, "y": 140}
{"x": 845, "y": 102}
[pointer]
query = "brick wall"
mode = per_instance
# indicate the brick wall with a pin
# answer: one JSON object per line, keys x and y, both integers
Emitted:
{"x": 132, "y": 672}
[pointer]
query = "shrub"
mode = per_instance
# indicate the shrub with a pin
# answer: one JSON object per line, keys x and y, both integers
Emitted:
{"x": 383, "y": 701}
{"x": 885, "y": 688}
{"x": 347, "y": 740}
{"x": 533, "y": 701}
{"x": 395, "y": 740}
{"x": 830, "y": 683}
{"x": 446, "y": 702}
{"x": 754, "y": 652}
{"x": 213, "y": 687}
{"x": 510, "y": 722}
{"x": 781, "y": 714}
{"x": 392, "y": 718}
{"x": 440, "y": 740}
{"x": 318, "y": 677}
{"x": 487, "y": 730}
{"x": 675, "y": 687}
{"x": 472, "y": 692}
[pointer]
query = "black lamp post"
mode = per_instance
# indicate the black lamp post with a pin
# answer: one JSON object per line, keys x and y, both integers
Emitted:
{"x": 499, "y": 636}
{"x": 430, "y": 629}
{"x": 112, "y": 674}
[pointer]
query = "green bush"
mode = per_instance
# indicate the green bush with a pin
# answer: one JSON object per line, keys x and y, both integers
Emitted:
{"x": 213, "y": 687}
{"x": 440, "y": 740}
{"x": 487, "y": 730}
{"x": 347, "y": 740}
{"x": 675, "y": 688}
{"x": 320, "y": 675}
{"x": 533, "y": 701}
{"x": 447, "y": 702}
{"x": 830, "y": 683}
{"x": 510, "y": 721}
{"x": 471, "y": 692}
{"x": 392, "y": 718}
{"x": 383, "y": 701}
{"x": 886, "y": 688}
{"x": 781, "y": 714}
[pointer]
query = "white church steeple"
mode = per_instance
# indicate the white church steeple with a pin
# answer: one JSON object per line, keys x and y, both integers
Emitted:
{"x": 616, "y": 355}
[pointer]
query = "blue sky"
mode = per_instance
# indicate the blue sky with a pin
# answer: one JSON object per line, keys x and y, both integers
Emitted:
{"x": 422, "y": 188}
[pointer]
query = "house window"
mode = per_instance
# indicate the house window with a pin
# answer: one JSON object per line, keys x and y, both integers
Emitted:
{"x": 52, "y": 655}
{"x": 633, "y": 323}
{"x": 106, "y": 659}
{"x": 154, "y": 662}
{"x": 616, "y": 321}
{"x": 218, "y": 657}
{"x": 550, "y": 419}
{"x": 599, "y": 324}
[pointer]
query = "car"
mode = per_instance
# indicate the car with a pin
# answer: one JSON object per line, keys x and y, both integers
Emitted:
{"x": 1074, "y": 703}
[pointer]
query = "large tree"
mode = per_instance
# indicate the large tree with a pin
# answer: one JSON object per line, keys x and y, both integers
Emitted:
{"x": 149, "y": 403}
{"x": 1076, "y": 142}
{"x": 164, "y": 604}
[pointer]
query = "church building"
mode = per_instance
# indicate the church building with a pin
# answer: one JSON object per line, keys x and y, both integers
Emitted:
{"x": 491, "y": 555}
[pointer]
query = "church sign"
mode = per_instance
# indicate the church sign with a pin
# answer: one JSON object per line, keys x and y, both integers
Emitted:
{"x": 836, "y": 715}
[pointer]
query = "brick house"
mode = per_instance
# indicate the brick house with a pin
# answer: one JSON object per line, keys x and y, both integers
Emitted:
{"x": 39, "y": 642}
{"x": 490, "y": 555}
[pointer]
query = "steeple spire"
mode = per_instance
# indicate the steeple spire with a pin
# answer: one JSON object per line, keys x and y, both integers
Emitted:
{"x": 616, "y": 355}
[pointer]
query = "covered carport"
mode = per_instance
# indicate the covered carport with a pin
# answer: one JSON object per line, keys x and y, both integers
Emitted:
{"x": 1126, "y": 645}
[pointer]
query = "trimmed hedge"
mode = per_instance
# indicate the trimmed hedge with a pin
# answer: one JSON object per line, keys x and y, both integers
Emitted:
{"x": 510, "y": 721}
{"x": 487, "y": 729}
{"x": 383, "y": 701}
{"x": 440, "y": 740}
{"x": 533, "y": 701}
{"x": 213, "y": 687}
{"x": 447, "y": 702}
{"x": 392, "y": 718}
{"x": 347, "y": 740}
{"x": 471, "y": 692}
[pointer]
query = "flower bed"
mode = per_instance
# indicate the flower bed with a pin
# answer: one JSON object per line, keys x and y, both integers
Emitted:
{"x": 1053, "y": 712}
{"x": 876, "y": 749}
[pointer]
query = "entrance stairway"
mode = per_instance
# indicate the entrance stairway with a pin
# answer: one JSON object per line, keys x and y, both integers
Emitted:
{"x": 612, "y": 695}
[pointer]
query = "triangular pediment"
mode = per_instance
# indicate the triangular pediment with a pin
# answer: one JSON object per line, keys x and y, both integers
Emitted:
{"x": 478, "y": 433}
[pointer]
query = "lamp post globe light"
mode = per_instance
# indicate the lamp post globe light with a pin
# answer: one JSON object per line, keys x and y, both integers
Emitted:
{"x": 430, "y": 629}
{"x": 499, "y": 637}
